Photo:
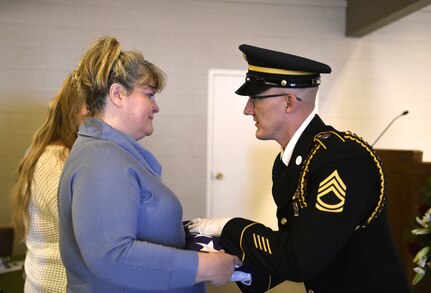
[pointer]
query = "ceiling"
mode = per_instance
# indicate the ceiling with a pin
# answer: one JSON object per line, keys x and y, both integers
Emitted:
{"x": 362, "y": 16}
{"x": 366, "y": 16}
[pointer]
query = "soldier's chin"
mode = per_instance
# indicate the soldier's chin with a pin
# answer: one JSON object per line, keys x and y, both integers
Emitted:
{"x": 260, "y": 135}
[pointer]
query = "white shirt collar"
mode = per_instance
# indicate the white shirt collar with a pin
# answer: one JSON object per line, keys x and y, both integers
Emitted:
{"x": 286, "y": 154}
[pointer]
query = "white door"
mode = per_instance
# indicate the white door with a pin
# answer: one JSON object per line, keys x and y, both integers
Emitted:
{"x": 239, "y": 165}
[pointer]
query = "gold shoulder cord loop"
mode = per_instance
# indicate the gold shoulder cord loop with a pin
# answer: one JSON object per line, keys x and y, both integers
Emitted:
{"x": 300, "y": 190}
{"x": 382, "y": 197}
{"x": 318, "y": 145}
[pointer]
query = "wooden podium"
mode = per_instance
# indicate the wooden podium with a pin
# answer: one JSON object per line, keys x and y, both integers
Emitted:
{"x": 406, "y": 176}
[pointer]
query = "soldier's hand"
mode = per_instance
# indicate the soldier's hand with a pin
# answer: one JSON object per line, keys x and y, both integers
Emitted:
{"x": 211, "y": 227}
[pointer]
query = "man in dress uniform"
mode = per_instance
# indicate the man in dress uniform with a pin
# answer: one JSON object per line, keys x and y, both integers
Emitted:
{"x": 329, "y": 188}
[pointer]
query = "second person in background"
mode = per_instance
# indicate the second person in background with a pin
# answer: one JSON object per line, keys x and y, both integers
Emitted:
{"x": 34, "y": 196}
{"x": 120, "y": 226}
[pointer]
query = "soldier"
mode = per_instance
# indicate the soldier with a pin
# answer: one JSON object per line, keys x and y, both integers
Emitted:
{"x": 329, "y": 188}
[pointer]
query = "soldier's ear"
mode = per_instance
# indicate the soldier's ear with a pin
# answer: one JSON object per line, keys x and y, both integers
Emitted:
{"x": 290, "y": 103}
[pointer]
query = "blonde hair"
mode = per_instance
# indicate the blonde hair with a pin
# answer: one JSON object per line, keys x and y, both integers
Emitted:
{"x": 104, "y": 64}
{"x": 60, "y": 126}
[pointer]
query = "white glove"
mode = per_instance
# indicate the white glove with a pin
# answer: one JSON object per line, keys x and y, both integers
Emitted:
{"x": 243, "y": 277}
{"x": 211, "y": 227}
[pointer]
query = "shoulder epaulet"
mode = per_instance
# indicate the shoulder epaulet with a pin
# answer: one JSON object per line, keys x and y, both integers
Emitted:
{"x": 321, "y": 142}
{"x": 322, "y": 137}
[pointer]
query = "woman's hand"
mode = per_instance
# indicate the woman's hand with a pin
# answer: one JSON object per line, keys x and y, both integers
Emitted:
{"x": 216, "y": 267}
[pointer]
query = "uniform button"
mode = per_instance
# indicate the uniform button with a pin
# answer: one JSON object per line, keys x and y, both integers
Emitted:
{"x": 283, "y": 221}
{"x": 298, "y": 160}
{"x": 310, "y": 291}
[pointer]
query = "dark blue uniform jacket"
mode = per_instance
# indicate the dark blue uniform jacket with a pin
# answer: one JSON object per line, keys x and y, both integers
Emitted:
{"x": 333, "y": 230}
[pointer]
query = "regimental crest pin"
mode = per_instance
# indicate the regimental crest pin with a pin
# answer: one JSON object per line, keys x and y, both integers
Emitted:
{"x": 331, "y": 194}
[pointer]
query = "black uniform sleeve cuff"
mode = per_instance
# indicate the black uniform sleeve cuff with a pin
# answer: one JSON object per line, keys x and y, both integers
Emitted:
{"x": 231, "y": 236}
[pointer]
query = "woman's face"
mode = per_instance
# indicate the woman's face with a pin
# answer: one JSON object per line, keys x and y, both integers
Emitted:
{"x": 140, "y": 107}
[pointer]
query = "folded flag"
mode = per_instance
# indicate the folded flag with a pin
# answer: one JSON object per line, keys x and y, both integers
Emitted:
{"x": 206, "y": 243}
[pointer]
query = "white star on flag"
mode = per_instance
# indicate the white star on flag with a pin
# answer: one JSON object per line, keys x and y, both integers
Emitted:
{"x": 207, "y": 247}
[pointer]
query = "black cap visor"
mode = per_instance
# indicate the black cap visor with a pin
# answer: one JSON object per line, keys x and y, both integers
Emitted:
{"x": 252, "y": 87}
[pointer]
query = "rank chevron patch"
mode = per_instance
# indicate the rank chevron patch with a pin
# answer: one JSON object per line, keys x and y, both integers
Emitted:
{"x": 331, "y": 194}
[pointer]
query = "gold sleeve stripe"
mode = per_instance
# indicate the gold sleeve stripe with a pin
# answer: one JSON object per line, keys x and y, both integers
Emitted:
{"x": 240, "y": 240}
{"x": 259, "y": 242}
{"x": 254, "y": 239}
{"x": 264, "y": 245}
{"x": 269, "y": 247}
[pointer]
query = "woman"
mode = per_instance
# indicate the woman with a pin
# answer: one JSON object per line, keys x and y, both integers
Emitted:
{"x": 34, "y": 196}
{"x": 120, "y": 226}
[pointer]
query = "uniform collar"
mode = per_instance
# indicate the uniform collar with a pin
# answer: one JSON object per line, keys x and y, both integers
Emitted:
{"x": 286, "y": 154}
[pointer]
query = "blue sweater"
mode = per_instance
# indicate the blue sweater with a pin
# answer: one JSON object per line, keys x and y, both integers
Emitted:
{"x": 120, "y": 226}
